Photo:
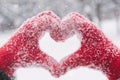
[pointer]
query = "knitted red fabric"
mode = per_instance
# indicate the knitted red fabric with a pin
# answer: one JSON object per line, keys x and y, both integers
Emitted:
{"x": 22, "y": 50}
{"x": 96, "y": 50}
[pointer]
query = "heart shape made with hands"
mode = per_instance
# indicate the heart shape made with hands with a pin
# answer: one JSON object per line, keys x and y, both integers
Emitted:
{"x": 96, "y": 51}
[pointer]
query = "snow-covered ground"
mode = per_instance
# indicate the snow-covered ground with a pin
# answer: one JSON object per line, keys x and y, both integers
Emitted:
{"x": 108, "y": 27}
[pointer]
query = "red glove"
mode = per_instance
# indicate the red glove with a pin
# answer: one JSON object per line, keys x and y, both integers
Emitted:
{"x": 22, "y": 50}
{"x": 96, "y": 50}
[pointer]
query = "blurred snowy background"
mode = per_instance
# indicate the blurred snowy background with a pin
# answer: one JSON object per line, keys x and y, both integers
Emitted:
{"x": 105, "y": 13}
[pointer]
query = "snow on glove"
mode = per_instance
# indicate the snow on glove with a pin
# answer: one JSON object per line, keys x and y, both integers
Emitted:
{"x": 96, "y": 50}
{"x": 22, "y": 50}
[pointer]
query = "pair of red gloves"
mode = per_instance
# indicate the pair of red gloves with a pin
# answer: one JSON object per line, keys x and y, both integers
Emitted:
{"x": 96, "y": 51}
